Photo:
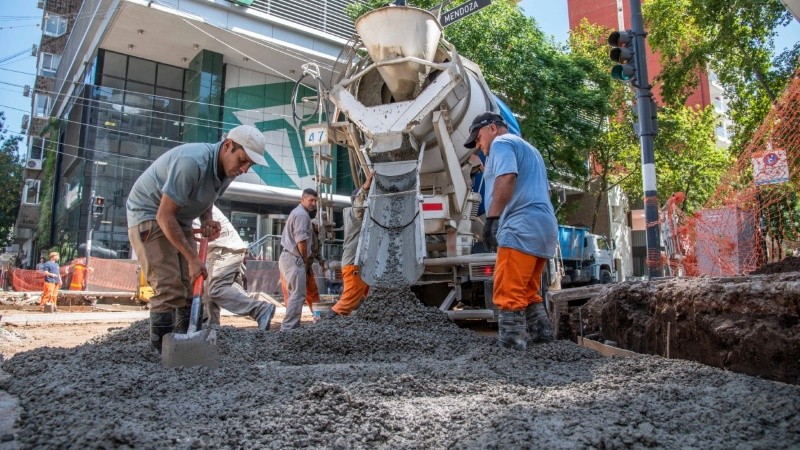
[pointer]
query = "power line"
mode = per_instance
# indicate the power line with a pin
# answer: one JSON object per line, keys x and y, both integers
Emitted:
{"x": 77, "y": 97}
{"x": 107, "y": 153}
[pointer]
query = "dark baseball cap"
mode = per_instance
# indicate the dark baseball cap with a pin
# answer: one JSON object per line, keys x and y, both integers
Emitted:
{"x": 480, "y": 121}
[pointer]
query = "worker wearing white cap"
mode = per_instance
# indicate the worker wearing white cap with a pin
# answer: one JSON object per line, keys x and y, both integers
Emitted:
{"x": 180, "y": 186}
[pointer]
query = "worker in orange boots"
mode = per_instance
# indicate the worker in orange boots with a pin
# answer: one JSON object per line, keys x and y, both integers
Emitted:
{"x": 520, "y": 225}
{"x": 52, "y": 280}
{"x": 355, "y": 290}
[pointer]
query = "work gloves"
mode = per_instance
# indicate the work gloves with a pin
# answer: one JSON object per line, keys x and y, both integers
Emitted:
{"x": 490, "y": 233}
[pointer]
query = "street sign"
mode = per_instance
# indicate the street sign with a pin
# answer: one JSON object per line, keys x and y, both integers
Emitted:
{"x": 770, "y": 167}
{"x": 473, "y": 6}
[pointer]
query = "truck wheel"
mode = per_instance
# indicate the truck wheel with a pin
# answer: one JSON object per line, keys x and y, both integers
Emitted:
{"x": 605, "y": 277}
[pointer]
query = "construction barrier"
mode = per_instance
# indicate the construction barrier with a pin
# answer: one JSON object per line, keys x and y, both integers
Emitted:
{"x": 105, "y": 275}
{"x": 753, "y": 218}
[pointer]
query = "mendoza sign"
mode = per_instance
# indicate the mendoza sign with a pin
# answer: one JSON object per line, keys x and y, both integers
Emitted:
{"x": 472, "y": 6}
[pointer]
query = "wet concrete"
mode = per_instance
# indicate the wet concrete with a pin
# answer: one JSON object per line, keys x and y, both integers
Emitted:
{"x": 393, "y": 375}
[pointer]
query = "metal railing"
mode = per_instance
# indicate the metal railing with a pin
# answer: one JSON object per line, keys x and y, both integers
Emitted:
{"x": 268, "y": 248}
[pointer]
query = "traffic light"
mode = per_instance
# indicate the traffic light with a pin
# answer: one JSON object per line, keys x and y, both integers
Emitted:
{"x": 98, "y": 206}
{"x": 622, "y": 52}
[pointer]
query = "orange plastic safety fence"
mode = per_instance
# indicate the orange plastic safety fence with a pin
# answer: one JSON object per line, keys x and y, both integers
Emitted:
{"x": 106, "y": 275}
{"x": 753, "y": 218}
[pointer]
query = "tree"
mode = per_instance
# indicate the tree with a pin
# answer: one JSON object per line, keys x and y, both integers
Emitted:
{"x": 733, "y": 38}
{"x": 560, "y": 99}
{"x": 687, "y": 158}
{"x": 618, "y": 138}
{"x": 10, "y": 182}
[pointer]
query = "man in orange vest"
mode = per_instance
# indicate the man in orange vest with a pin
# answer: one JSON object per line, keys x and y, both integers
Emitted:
{"x": 78, "y": 271}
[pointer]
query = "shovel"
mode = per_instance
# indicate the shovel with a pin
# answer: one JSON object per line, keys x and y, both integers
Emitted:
{"x": 195, "y": 348}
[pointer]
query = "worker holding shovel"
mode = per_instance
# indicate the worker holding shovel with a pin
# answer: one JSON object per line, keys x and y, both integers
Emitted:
{"x": 180, "y": 186}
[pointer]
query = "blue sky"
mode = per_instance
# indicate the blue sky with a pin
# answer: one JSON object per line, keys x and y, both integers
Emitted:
{"x": 20, "y": 29}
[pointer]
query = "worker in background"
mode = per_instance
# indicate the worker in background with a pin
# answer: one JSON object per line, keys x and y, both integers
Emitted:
{"x": 312, "y": 290}
{"x": 78, "y": 271}
{"x": 180, "y": 186}
{"x": 295, "y": 259}
{"x": 52, "y": 280}
{"x": 224, "y": 261}
{"x": 520, "y": 225}
{"x": 354, "y": 290}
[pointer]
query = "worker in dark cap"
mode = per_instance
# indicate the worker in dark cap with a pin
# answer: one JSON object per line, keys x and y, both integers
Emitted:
{"x": 520, "y": 226}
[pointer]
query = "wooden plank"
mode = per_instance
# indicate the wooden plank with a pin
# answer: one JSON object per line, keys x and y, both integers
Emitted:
{"x": 605, "y": 350}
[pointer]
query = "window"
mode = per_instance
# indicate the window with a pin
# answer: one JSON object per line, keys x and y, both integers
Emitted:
{"x": 42, "y": 105}
{"x": 36, "y": 150}
{"x": 54, "y": 25}
{"x": 30, "y": 195}
{"x": 48, "y": 65}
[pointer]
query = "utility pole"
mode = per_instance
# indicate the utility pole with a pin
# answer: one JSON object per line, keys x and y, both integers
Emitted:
{"x": 633, "y": 67}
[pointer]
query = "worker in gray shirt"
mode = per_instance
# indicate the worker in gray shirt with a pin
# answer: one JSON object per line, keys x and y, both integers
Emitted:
{"x": 180, "y": 186}
{"x": 225, "y": 259}
{"x": 294, "y": 260}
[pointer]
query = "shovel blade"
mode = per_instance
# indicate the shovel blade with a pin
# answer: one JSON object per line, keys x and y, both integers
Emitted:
{"x": 189, "y": 351}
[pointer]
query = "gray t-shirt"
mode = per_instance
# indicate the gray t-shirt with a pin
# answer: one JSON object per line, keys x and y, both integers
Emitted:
{"x": 187, "y": 174}
{"x": 353, "y": 218}
{"x": 297, "y": 229}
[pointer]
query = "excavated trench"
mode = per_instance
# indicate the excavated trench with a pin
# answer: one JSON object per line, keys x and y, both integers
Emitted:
{"x": 748, "y": 324}
{"x": 394, "y": 375}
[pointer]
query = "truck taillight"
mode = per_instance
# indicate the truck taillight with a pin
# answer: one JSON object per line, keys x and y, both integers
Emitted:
{"x": 432, "y": 206}
{"x": 481, "y": 271}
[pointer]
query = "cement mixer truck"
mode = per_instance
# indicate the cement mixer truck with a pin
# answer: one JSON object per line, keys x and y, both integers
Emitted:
{"x": 407, "y": 99}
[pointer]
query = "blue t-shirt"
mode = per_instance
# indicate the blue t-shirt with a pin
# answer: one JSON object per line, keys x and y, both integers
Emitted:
{"x": 51, "y": 267}
{"x": 187, "y": 174}
{"x": 528, "y": 223}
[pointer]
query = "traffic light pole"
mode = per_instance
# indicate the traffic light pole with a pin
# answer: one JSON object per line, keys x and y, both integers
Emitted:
{"x": 647, "y": 131}
{"x": 89, "y": 229}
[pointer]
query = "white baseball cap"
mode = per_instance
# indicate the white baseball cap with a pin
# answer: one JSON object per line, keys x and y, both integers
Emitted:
{"x": 251, "y": 140}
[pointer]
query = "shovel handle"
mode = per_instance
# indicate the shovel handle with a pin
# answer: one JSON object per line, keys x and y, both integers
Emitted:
{"x": 202, "y": 253}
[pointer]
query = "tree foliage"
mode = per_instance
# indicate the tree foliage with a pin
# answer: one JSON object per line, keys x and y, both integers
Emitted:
{"x": 687, "y": 158}
{"x": 559, "y": 98}
{"x": 734, "y": 39}
{"x": 10, "y": 182}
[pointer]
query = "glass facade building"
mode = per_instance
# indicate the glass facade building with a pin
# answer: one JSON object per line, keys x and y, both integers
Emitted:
{"x": 132, "y": 114}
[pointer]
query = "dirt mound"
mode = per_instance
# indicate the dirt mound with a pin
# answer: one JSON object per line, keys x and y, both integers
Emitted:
{"x": 744, "y": 324}
{"x": 788, "y": 264}
{"x": 384, "y": 379}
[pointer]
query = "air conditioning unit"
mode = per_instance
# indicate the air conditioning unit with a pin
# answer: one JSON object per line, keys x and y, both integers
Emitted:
{"x": 34, "y": 164}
